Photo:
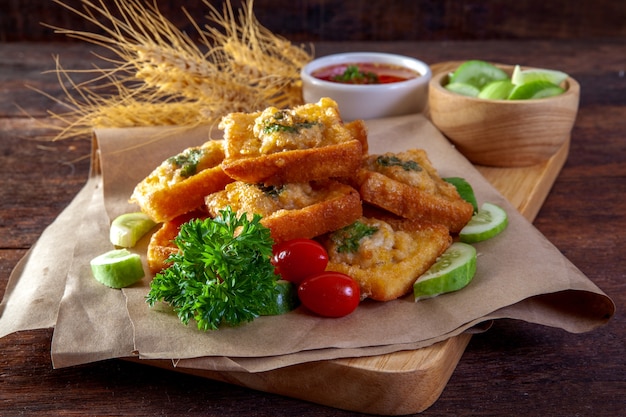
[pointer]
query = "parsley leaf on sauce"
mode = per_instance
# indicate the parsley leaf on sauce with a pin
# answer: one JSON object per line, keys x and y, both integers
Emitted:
{"x": 352, "y": 75}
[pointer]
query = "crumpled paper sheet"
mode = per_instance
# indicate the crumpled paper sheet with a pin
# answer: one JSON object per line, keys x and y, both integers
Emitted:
{"x": 520, "y": 275}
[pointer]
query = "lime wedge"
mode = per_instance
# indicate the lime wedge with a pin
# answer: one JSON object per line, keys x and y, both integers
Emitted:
{"x": 463, "y": 89}
{"x": 534, "y": 90}
{"x": 453, "y": 270}
{"x": 127, "y": 229}
{"x": 496, "y": 90}
{"x": 520, "y": 76}
{"x": 117, "y": 268}
{"x": 477, "y": 73}
{"x": 464, "y": 189}
{"x": 285, "y": 300}
{"x": 487, "y": 223}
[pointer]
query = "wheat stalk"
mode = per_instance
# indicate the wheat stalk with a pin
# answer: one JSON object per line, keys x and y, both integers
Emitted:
{"x": 160, "y": 76}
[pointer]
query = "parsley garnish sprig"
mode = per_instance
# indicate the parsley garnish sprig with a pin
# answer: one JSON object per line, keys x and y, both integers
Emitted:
{"x": 221, "y": 274}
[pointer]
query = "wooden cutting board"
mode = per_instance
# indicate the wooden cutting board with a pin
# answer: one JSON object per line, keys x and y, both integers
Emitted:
{"x": 398, "y": 383}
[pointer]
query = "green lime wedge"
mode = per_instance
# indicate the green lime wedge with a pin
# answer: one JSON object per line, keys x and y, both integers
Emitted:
{"x": 520, "y": 76}
{"x": 534, "y": 90}
{"x": 453, "y": 270}
{"x": 118, "y": 268}
{"x": 496, "y": 90}
{"x": 477, "y": 73}
{"x": 463, "y": 89}
{"x": 464, "y": 189}
{"x": 285, "y": 300}
{"x": 127, "y": 229}
{"x": 487, "y": 223}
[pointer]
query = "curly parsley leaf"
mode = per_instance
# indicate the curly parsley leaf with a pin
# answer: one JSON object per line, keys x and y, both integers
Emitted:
{"x": 348, "y": 238}
{"x": 221, "y": 274}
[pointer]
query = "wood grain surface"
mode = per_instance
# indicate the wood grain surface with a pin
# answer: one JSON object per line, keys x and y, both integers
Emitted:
{"x": 359, "y": 20}
{"x": 513, "y": 368}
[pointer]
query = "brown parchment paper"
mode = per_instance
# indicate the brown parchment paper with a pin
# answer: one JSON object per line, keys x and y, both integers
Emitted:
{"x": 520, "y": 275}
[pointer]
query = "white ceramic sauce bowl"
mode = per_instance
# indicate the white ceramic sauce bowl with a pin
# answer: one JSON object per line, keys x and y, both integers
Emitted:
{"x": 369, "y": 101}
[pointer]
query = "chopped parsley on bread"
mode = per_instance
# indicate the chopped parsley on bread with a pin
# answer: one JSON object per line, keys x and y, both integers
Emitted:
{"x": 385, "y": 256}
{"x": 307, "y": 143}
{"x": 179, "y": 184}
{"x": 407, "y": 185}
{"x": 293, "y": 210}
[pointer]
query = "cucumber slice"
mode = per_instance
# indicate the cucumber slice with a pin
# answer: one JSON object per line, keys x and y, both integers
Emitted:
{"x": 127, "y": 229}
{"x": 490, "y": 221}
{"x": 118, "y": 268}
{"x": 534, "y": 90}
{"x": 496, "y": 90}
{"x": 285, "y": 300}
{"x": 453, "y": 270}
{"x": 463, "y": 89}
{"x": 520, "y": 76}
{"x": 477, "y": 73}
{"x": 464, "y": 189}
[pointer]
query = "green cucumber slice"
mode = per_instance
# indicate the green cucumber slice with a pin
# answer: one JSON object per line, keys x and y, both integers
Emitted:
{"x": 464, "y": 189}
{"x": 520, "y": 76}
{"x": 128, "y": 228}
{"x": 463, "y": 89}
{"x": 490, "y": 221}
{"x": 477, "y": 73}
{"x": 118, "y": 268}
{"x": 453, "y": 270}
{"x": 535, "y": 89}
{"x": 285, "y": 300}
{"x": 496, "y": 90}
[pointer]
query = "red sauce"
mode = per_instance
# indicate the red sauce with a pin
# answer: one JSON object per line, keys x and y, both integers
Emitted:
{"x": 365, "y": 73}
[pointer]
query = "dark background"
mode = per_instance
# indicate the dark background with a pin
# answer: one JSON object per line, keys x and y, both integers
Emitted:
{"x": 361, "y": 20}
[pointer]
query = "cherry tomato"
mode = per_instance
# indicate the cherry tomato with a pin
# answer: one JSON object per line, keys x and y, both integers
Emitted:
{"x": 330, "y": 294}
{"x": 296, "y": 259}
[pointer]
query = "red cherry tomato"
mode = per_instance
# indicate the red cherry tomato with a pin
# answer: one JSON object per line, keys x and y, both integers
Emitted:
{"x": 330, "y": 294}
{"x": 297, "y": 259}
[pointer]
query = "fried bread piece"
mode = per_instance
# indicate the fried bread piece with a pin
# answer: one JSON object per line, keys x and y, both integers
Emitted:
{"x": 385, "y": 257}
{"x": 408, "y": 185}
{"x": 307, "y": 143}
{"x": 179, "y": 184}
{"x": 162, "y": 245}
{"x": 301, "y": 210}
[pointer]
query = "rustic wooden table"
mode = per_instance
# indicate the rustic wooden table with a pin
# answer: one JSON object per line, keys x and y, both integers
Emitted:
{"x": 514, "y": 368}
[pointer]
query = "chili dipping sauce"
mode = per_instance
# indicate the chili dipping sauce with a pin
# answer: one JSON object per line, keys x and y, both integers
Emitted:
{"x": 365, "y": 73}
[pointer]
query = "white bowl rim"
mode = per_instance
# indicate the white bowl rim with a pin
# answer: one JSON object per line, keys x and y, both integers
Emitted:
{"x": 412, "y": 63}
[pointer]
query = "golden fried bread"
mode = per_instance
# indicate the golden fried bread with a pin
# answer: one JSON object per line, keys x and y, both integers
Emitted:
{"x": 306, "y": 143}
{"x": 162, "y": 245}
{"x": 390, "y": 255}
{"x": 180, "y": 183}
{"x": 359, "y": 132}
{"x": 301, "y": 210}
{"x": 406, "y": 184}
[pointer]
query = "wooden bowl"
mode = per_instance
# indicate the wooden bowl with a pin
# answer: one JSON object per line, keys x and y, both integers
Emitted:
{"x": 503, "y": 133}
